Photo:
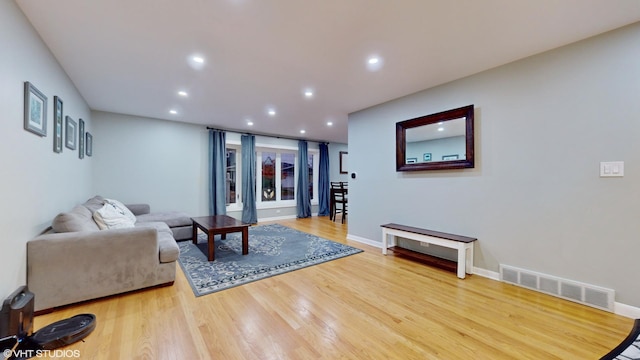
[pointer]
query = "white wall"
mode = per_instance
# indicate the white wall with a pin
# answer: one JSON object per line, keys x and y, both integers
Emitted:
{"x": 535, "y": 199}
{"x": 36, "y": 183}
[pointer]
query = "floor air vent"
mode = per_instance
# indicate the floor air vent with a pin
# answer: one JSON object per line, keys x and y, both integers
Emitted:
{"x": 587, "y": 294}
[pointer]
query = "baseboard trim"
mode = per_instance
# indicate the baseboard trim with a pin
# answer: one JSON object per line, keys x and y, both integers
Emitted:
{"x": 493, "y": 275}
{"x": 365, "y": 241}
{"x": 626, "y": 310}
{"x": 277, "y": 218}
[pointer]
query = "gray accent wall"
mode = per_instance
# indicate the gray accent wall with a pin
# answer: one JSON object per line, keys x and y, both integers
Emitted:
{"x": 36, "y": 183}
{"x": 535, "y": 199}
{"x": 158, "y": 162}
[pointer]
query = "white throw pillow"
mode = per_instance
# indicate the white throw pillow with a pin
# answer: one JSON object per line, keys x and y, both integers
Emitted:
{"x": 110, "y": 217}
{"x": 122, "y": 208}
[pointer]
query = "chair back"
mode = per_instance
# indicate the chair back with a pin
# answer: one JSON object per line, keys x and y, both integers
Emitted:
{"x": 339, "y": 190}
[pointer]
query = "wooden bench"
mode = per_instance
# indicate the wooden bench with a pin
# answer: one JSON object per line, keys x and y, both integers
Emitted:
{"x": 463, "y": 244}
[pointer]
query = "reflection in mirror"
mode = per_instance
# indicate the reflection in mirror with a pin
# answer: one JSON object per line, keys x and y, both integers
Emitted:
{"x": 437, "y": 141}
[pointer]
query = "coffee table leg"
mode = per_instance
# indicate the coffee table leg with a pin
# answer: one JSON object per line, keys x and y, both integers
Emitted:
{"x": 245, "y": 240}
{"x": 211, "y": 246}
{"x": 194, "y": 236}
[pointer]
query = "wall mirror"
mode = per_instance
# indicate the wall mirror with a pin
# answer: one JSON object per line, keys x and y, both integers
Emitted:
{"x": 434, "y": 142}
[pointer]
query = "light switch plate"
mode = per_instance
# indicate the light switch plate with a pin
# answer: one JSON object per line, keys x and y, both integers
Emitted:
{"x": 612, "y": 169}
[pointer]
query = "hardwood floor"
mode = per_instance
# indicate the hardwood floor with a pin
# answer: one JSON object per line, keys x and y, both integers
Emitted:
{"x": 365, "y": 306}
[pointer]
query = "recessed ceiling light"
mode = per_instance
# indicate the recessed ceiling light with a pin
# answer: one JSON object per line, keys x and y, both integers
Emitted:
{"x": 183, "y": 93}
{"x": 329, "y": 123}
{"x": 173, "y": 112}
{"x": 308, "y": 93}
{"x": 249, "y": 123}
{"x": 440, "y": 129}
{"x": 374, "y": 63}
{"x": 271, "y": 112}
{"x": 302, "y": 131}
{"x": 196, "y": 62}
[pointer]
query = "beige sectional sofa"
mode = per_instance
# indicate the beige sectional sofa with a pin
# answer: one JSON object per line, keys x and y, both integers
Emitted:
{"x": 77, "y": 260}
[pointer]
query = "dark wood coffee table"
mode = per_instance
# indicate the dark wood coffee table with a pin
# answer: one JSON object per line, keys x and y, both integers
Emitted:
{"x": 220, "y": 224}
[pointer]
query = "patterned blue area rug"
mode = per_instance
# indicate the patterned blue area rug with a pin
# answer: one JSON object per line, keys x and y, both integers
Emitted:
{"x": 273, "y": 250}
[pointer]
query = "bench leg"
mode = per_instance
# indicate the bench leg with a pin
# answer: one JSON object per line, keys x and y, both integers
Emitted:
{"x": 469, "y": 264}
{"x": 462, "y": 254}
{"x": 384, "y": 242}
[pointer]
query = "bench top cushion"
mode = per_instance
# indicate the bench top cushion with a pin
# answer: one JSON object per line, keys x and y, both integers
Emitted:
{"x": 433, "y": 233}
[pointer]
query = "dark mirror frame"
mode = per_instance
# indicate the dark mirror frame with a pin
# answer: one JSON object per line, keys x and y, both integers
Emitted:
{"x": 401, "y": 140}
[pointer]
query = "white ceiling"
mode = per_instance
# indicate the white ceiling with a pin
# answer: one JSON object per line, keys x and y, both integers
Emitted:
{"x": 132, "y": 56}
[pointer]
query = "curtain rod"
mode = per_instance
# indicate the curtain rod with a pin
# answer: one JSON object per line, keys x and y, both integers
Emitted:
{"x": 267, "y": 135}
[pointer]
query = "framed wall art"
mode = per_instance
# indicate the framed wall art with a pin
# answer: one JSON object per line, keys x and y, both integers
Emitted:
{"x": 89, "y": 144}
{"x": 57, "y": 124}
{"x": 70, "y": 133}
{"x": 343, "y": 162}
{"x": 35, "y": 110}
{"x": 81, "y": 139}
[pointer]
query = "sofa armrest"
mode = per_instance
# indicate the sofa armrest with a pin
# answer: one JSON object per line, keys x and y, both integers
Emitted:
{"x": 64, "y": 268}
{"x": 139, "y": 209}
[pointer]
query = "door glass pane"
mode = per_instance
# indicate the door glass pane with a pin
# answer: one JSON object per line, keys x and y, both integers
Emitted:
{"x": 231, "y": 176}
{"x": 268, "y": 176}
{"x": 287, "y": 176}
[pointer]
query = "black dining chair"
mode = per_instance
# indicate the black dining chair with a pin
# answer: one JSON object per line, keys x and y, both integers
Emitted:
{"x": 339, "y": 200}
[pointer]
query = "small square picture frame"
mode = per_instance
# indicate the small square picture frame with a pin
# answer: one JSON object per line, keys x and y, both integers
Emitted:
{"x": 35, "y": 110}
{"x": 70, "y": 133}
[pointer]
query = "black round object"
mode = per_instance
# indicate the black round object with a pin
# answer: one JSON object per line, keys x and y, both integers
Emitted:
{"x": 64, "y": 332}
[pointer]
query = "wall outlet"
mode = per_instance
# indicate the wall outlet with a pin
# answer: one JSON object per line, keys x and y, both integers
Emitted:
{"x": 612, "y": 169}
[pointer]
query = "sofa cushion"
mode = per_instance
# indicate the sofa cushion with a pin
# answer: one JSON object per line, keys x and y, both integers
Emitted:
{"x": 171, "y": 218}
{"x": 160, "y": 226}
{"x": 139, "y": 209}
{"x": 94, "y": 203}
{"x": 78, "y": 219}
{"x": 110, "y": 217}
